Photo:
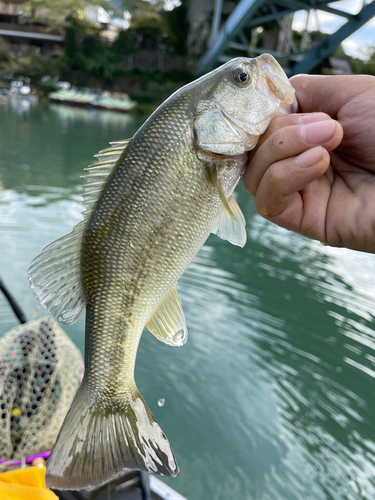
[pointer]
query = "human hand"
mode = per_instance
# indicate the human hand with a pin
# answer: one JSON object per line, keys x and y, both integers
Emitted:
{"x": 314, "y": 172}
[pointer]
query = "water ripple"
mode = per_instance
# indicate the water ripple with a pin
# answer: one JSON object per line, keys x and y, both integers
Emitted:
{"x": 272, "y": 397}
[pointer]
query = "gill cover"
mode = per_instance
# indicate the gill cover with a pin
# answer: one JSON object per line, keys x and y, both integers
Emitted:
{"x": 230, "y": 118}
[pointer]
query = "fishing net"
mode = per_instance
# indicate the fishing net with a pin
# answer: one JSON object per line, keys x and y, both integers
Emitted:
{"x": 40, "y": 372}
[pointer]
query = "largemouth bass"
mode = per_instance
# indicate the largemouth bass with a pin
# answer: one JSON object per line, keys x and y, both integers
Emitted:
{"x": 151, "y": 203}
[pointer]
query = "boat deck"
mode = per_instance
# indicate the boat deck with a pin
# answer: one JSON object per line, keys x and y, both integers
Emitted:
{"x": 131, "y": 486}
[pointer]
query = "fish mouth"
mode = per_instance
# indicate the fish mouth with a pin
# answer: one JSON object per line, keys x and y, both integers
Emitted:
{"x": 274, "y": 84}
{"x": 279, "y": 90}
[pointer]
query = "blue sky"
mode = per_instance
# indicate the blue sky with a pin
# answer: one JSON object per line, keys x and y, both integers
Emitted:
{"x": 358, "y": 43}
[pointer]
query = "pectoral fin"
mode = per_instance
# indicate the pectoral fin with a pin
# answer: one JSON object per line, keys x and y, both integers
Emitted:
{"x": 231, "y": 224}
{"x": 212, "y": 174}
{"x": 168, "y": 321}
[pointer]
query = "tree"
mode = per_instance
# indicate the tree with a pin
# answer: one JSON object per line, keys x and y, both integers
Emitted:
{"x": 54, "y": 13}
{"x": 178, "y": 28}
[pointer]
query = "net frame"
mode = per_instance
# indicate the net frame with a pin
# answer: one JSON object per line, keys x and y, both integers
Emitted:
{"x": 40, "y": 372}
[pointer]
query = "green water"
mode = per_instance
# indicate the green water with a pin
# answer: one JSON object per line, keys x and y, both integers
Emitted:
{"x": 272, "y": 397}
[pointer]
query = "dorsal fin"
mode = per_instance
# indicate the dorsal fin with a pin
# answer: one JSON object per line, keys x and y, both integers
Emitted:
{"x": 55, "y": 274}
{"x": 99, "y": 172}
{"x": 168, "y": 321}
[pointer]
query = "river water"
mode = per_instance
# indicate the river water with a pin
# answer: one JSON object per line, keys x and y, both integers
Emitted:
{"x": 272, "y": 397}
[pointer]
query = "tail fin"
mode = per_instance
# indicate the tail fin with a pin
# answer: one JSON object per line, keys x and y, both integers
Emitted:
{"x": 98, "y": 440}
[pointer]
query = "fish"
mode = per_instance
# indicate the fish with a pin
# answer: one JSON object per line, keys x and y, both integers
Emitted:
{"x": 150, "y": 204}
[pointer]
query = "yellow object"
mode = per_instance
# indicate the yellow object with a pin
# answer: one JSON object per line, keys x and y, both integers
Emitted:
{"x": 25, "y": 484}
{"x": 16, "y": 411}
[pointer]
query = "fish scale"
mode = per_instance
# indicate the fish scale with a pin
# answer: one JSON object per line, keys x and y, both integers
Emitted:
{"x": 151, "y": 202}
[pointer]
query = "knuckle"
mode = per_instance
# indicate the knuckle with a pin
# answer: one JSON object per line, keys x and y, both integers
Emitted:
{"x": 281, "y": 122}
{"x": 274, "y": 177}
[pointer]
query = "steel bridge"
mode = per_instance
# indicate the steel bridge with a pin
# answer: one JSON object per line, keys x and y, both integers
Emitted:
{"x": 232, "y": 35}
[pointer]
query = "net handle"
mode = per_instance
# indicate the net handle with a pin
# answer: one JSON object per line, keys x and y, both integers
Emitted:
{"x": 28, "y": 460}
{"x": 13, "y": 303}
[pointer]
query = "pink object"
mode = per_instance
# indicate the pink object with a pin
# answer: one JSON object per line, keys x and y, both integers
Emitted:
{"x": 28, "y": 460}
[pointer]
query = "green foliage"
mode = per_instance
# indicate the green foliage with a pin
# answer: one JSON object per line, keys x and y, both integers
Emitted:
{"x": 178, "y": 28}
{"x": 125, "y": 43}
{"x": 34, "y": 65}
{"x": 74, "y": 36}
{"x": 147, "y": 19}
{"x": 151, "y": 25}
{"x": 48, "y": 87}
{"x": 87, "y": 60}
{"x": 362, "y": 67}
{"x": 365, "y": 66}
{"x": 54, "y": 13}
{"x": 87, "y": 53}
{"x": 312, "y": 40}
{"x": 105, "y": 65}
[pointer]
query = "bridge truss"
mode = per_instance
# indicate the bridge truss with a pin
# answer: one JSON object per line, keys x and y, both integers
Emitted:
{"x": 231, "y": 37}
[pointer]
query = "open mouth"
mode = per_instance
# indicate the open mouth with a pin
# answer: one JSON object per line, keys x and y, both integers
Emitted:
{"x": 277, "y": 88}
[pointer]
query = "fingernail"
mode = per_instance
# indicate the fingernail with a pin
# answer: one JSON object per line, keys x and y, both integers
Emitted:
{"x": 320, "y": 132}
{"x": 310, "y": 157}
{"x": 312, "y": 118}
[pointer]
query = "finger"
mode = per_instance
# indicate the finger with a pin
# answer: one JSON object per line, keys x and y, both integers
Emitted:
{"x": 287, "y": 121}
{"x": 288, "y": 142}
{"x": 280, "y": 196}
{"x": 328, "y": 93}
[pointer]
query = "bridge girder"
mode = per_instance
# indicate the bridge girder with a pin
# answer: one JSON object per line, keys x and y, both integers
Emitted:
{"x": 254, "y": 13}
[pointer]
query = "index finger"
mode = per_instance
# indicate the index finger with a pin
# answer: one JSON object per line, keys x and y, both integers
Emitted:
{"x": 283, "y": 121}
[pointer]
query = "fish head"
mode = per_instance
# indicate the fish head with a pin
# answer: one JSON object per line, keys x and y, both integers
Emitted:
{"x": 238, "y": 101}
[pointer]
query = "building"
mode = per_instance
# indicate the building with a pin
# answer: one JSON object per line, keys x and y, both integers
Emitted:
{"x": 22, "y": 38}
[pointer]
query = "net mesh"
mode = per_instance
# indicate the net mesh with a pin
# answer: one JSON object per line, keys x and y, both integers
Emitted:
{"x": 40, "y": 372}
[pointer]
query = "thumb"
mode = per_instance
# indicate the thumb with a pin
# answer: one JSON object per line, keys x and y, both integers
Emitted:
{"x": 328, "y": 93}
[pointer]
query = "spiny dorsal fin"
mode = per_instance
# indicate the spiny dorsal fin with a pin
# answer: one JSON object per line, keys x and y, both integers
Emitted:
{"x": 231, "y": 224}
{"x": 55, "y": 274}
{"x": 99, "y": 172}
{"x": 168, "y": 321}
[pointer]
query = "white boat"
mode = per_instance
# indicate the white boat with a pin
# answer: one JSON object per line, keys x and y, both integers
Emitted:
{"x": 20, "y": 89}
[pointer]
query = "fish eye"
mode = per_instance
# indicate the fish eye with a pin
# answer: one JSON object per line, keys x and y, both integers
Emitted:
{"x": 241, "y": 76}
